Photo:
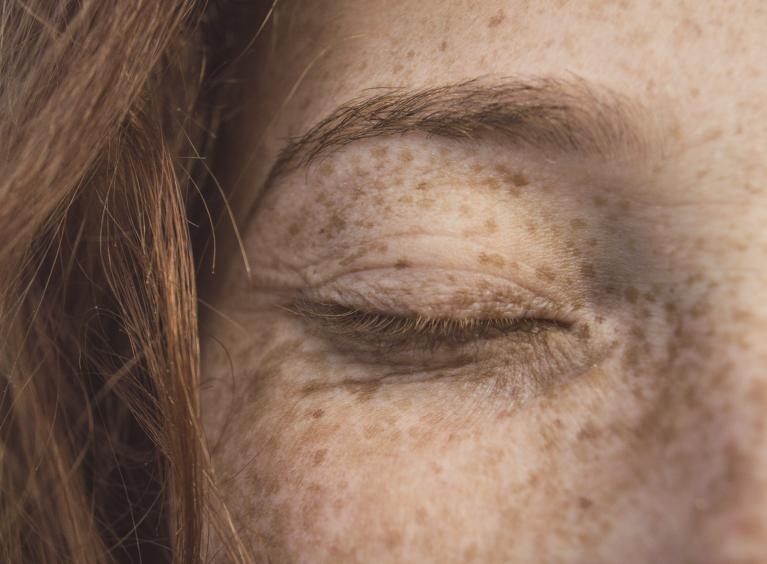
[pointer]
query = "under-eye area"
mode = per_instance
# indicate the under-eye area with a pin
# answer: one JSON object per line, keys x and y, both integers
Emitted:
{"x": 517, "y": 356}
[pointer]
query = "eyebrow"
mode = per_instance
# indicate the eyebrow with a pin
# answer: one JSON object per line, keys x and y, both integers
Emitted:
{"x": 551, "y": 115}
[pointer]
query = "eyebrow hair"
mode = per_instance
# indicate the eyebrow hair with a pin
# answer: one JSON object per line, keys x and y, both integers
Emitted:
{"x": 548, "y": 114}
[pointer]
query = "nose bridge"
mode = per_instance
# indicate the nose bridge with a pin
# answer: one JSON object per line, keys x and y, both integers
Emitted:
{"x": 732, "y": 514}
{"x": 733, "y": 518}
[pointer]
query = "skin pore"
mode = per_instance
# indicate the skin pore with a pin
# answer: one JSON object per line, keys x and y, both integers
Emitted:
{"x": 526, "y": 337}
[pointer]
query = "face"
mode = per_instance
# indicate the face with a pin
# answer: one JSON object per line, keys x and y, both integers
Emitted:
{"x": 508, "y": 301}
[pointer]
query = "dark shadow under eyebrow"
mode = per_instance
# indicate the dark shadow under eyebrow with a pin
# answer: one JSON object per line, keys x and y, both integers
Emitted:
{"x": 548, "y": 114}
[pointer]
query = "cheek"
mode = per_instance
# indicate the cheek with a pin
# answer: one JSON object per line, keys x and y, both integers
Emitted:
{"x": 422, "y": 469}
{"x": 432, "y": 470}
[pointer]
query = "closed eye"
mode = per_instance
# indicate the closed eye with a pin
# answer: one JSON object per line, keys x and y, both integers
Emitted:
{"x": 387, "y": 330}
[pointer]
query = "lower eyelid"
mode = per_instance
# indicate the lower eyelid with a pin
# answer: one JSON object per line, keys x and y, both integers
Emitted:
{"x": 508, "y": 383}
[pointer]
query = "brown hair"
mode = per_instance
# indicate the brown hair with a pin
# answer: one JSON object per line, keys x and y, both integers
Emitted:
{"x": 101, "y": 455}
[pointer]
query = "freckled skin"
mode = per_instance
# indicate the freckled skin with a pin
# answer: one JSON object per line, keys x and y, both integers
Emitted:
{"x": 655, "y": 451}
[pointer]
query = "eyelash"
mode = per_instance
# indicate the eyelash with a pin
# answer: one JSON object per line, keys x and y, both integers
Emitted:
{"x": 386, "y": 330}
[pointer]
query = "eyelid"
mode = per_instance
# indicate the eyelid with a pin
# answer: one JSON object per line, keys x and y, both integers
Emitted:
{"x": 438, "y": 293}
{"x": 522, "y": 363}
{"x": 392, "y": 329}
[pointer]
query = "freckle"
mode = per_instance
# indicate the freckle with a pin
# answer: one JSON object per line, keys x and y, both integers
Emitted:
{"x": 588, "y": 271}
{"x": 630, "y": 358}
{"x": 491, "y": 226}
{"x": 393, "y": 539}
{"x": 638, "y": 332}
{"x": 694, "y": 278}
{"x": 585, "y": 503}
{"x": 335, "y": 225}
{"x": 421, "y": 516}
{"x": 294, "y": 229}
{"x": 545, "y": 273}
{"x": 698, "y": 310}
{"x": 574, "y": 249}
{"x": 326, "y": 169}
{"x": 600, "y": 201}
{"x": 578, "y": 223}
{"x": 443, "y": 46}
{"x": 397, "y": 68}
{"x": 476, "y": 168}
{"x": 712, "y": 135}
{"x": 403, "y": 403}
{"x": 402, "y": 263}
{"x": 531, "y": 227}
{"x": 410, "y": 54}
{"x": 422, "y": 186}
{"x": 631, "y": 294}
{"x": 379, "y": 152}
{"x": 378, "y": 185}
{"x": 492, "y": 259}
{"x": 436, "y": 468}
{"x": 742, "y": 315}
{"x": 371, "y": 431}
{"x": 406, "y": 156}
{"x": 496, "y": 20}
{"x": 519, "y": 180}
{"x": 318, "y": 413}
{"x": 464, "y": 210}
{"x": 319, "y": 456}
{"x": 491, "y": 183}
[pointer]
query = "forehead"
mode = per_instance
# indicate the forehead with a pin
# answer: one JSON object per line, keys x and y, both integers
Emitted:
{"x": 701, "y": 61}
